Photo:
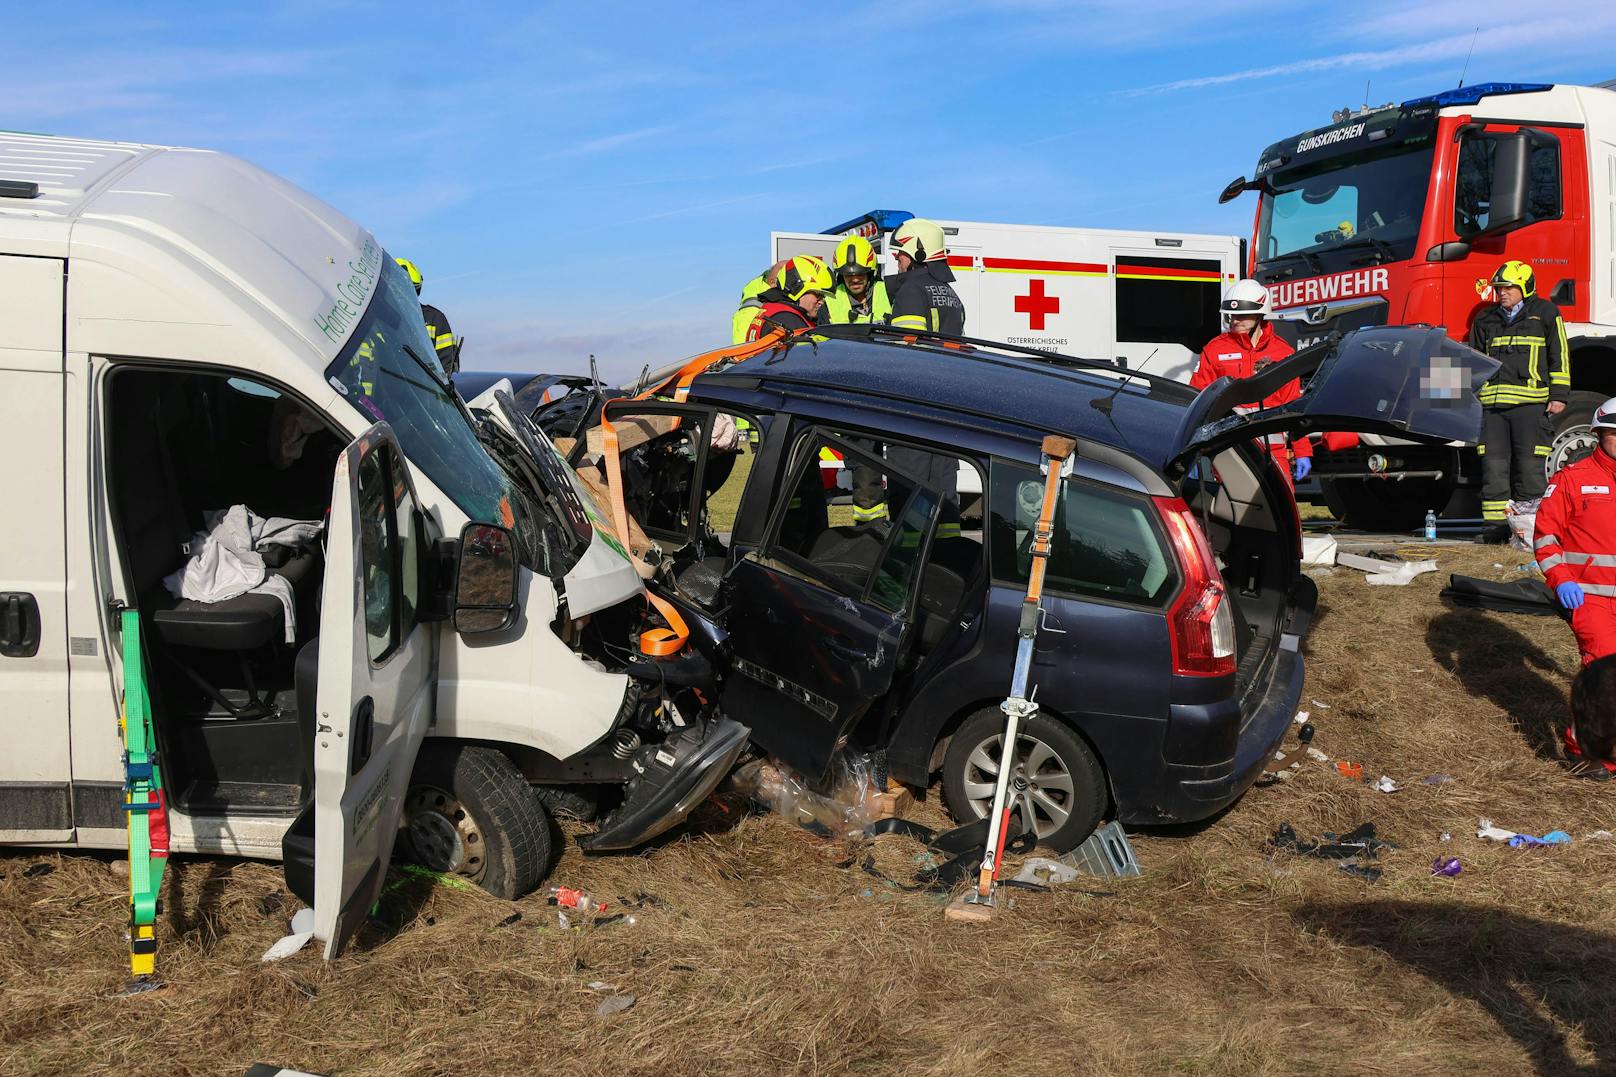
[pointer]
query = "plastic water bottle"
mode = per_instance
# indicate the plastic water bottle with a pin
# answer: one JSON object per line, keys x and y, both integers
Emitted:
{"x": 1430, "y": 525}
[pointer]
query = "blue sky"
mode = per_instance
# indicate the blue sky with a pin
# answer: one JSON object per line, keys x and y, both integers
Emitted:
{"x": 602, "y": 178}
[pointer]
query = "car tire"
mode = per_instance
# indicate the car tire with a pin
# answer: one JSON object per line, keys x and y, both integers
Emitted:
{"x": 1573, "y": 438}
{"x": 469, "y": 812}
{"x": 1067, "y": 778}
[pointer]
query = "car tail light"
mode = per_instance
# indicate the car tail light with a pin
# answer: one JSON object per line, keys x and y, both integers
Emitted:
{"x": 1201, "y": 619}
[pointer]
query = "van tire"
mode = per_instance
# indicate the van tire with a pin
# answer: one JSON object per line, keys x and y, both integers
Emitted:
{"x": 1070, "y": 755}
{"x": 470, "y": 812}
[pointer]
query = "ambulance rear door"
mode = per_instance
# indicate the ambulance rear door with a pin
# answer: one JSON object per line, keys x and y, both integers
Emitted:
{"x": 1165, "y": 298}
{"x": 1036, "y": 288}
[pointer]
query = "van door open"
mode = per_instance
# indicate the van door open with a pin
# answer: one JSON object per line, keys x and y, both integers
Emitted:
{"x": 377, "y": 677}
{"x": 35, "y": 772}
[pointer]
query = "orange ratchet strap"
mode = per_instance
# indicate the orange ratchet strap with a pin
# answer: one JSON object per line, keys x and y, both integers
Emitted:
{"x": 1057, "y": 449}
{"x": 661, "y": 642}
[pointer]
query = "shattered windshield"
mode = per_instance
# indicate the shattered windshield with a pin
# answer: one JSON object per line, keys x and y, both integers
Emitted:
{"x": 1344, "y": 212}
{"x": 389, "y": 372}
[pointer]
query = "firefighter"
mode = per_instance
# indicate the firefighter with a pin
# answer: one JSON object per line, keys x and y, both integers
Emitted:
{"x": 437, "y": 326}
{"x": 860, "y": 296}
{"x": 1247, "y": 347}
{"x": 792, "y": 303}
{"x": 922, "y": 291}
{"x": 751, "y": 290}
{"x": 1575, "y": 539}
{"x": 1526, "y": 334}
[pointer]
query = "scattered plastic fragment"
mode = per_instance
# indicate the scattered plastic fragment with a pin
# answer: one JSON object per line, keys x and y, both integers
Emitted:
{"x": 1386, "y": 785}
{"x": 1046, "y": 872}
{"x": 1301, "y": 717}
{"x": 1360, "y": 841}
{"x": 600, "y": 985}
{"x": 567, "y": 898}
{"x": 561, "y": 920}
{"x": 1317, "y": 756}
{"x": 1349, "y": 770}
{"x": 1529, "y": 841}
{"x": 614, "y": 918}
{"x": 36, "y": 871}
{"x": 294, "y": 940}
{"x": 1438, "y": 779}
{"x": 1320, "y": 706}
{"x": 1599, "y": 835}
{"x": 1446, "y": 865}
{"x": 509, "y": 920}
{"x": 1447, "y": 837}
{"x": 614, "y": 1004}
{"x": 1359, "y": 871}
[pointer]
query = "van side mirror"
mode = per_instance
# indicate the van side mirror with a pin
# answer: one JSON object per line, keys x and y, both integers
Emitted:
{"x": 1511, "y": 183}
{"x": 485, "y": 581}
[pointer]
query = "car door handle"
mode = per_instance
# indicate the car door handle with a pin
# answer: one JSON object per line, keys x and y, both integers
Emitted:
{"x": 19, "y": 625}
{"x": 842, "y": 647}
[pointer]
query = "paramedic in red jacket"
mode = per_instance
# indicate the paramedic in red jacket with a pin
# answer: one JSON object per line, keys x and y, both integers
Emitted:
{"x": 1247, "y": 347}
{"x": 1574, "y": 538}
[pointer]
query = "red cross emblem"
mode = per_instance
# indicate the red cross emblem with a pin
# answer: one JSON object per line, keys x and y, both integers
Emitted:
{"x": 1035, "y": 304}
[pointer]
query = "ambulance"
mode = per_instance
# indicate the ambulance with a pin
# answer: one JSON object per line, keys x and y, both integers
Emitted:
{"x": 237, "y": 483}
{"x": 1144, "y": 301}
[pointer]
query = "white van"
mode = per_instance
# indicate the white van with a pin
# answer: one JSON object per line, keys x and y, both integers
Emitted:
{"x": 449, "y": 630}
{"x": 1143, "y": 300}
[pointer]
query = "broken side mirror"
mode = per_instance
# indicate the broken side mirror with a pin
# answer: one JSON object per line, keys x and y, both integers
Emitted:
{"x": 1234, "y": 190}
{"x": 485, "y": 583}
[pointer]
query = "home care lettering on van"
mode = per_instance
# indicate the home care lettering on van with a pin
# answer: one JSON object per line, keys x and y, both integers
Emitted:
{"x": 352, "y": 293}
{"x": 1296, "y": 293}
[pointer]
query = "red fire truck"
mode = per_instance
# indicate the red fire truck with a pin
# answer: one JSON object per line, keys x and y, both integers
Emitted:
{"x": 1400, "y": 214}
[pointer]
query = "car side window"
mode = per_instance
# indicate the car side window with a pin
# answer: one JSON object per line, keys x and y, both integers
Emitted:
{"x": 1106, "y": 542}
{"x": 844, "y": 541}
{"x": 389, "y": 540}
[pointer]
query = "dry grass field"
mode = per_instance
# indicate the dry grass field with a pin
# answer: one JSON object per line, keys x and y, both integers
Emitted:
{"x": 754, "y": 951}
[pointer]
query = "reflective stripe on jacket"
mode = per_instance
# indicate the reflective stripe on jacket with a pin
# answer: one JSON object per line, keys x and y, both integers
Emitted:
{"x": 443, "y": 341}
{"x": 1575, "y": 529}
{"x": 1533, "y": 350}
{"x": 924, "y": 299}
{"x": 840, "y": 305}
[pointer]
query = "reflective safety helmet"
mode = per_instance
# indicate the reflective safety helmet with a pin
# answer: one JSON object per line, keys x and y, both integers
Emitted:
{"x": 415, "y": 274}
{"x": 920, "y": 239}
{"x": 854, "y": 255}
{"x": 1605, "y": 415}
{"x": 1246, "y": 297}
{"x": 804, "y": 274}
{"x": 1518, "y": 274}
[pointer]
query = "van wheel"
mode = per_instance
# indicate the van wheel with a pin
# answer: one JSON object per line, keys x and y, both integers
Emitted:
{"x": 470, "y": 813}
{"x": 1065, "y": 787}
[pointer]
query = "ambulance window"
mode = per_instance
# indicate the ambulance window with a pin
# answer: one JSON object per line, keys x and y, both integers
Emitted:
{"x": 1473, "y": 188}
{"x": 1168, "y": 300}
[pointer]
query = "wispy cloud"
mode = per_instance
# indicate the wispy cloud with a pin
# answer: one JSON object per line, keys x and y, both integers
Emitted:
{"x": 610, "y": 142}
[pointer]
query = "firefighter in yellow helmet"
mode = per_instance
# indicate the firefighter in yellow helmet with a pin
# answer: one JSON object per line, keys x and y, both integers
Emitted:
{"x": 922, "y": 291}
{"x": 437, "y": 324}
{"x": 752, "y": 289}
{"x": 793, "y": 303}
{"x": 860, "y": 295}
{"x": 1527, "y": 335}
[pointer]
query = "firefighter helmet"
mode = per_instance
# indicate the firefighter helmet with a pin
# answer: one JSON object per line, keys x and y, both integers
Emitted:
{"x": 1605, "y": 415}
{"x": 1516, "y": 275}
{"x": 920, "y": 239}
{"x": 1246, "y": 297}
{"x": 804, "y": 274}
{"x": 415, "y": 274}
{"x": 854, "y": 255}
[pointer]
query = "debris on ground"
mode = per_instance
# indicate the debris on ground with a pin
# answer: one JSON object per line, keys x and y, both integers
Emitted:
{"x": 37, "y": 871}
{"x": 1598, "y": 835}
{"x": 1350, "y": 770}
{"x": 852, "y": 803}
{"x": 568, "y": 898}
{"x": 614, "y": 1004}
{"x": 1318, "y": 550}
{"x": 1438, "y": 779}
{"x": 1446, "y": 866}
{"x": 1386, "y": 785}
{"x": 1045, "y": 871}
{"x": 1486, "y": 829}
{"x": 1367, "y": 874}
{"x": 295, "y": 939}
{"x": 1359, "y": 841}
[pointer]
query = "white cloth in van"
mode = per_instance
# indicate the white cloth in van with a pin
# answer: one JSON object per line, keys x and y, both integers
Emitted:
{"x": 225, "y": 562}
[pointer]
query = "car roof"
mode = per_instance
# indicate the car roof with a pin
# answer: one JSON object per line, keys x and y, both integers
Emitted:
{"x": 1011, "y": 393}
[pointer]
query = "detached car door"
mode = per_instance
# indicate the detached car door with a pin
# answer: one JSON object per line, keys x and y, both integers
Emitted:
{"x": 376, "y": 680}
{"x": 1412, "y": 382}
{"x": 819, "y": 613}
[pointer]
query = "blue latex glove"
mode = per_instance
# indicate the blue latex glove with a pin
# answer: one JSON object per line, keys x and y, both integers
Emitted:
{"x": 1569, "y": 594}
{"x": 1304, "y": 467}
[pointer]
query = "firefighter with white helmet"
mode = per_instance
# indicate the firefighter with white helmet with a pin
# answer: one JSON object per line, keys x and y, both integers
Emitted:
{"x": 1526, "y": 334}
{"x": 922, "y": 291}
{"x": 860, "y": 296}
{"x": 1574, "y": 539}
{"x": 792, "y": 303}
{"x": 1247, "y": 346}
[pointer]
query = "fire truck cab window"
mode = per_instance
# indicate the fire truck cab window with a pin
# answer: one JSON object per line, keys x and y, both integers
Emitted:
{"x": 1475, "y": 181}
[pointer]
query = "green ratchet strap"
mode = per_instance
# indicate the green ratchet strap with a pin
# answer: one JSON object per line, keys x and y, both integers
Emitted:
{"x": 144, "y": 802}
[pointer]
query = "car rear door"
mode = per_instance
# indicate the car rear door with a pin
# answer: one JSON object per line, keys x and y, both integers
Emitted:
{"x": 1413, "y": 382}
{"x": 377, "y": 674}
{"x": 819, "y": 613}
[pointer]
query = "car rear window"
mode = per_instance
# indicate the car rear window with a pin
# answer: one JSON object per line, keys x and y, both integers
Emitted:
{"x": 1106, "y": 543}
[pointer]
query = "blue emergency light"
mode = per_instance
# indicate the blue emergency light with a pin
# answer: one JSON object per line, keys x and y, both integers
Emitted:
{"x": 1472, "y": 95}
{"x": 884, "y": 220}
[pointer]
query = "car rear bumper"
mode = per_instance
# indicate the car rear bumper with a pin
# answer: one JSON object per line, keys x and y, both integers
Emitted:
{"x": 1188, "y": 794}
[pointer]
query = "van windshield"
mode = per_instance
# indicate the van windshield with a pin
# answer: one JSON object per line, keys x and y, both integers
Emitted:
{"x": 389, "y": 371}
